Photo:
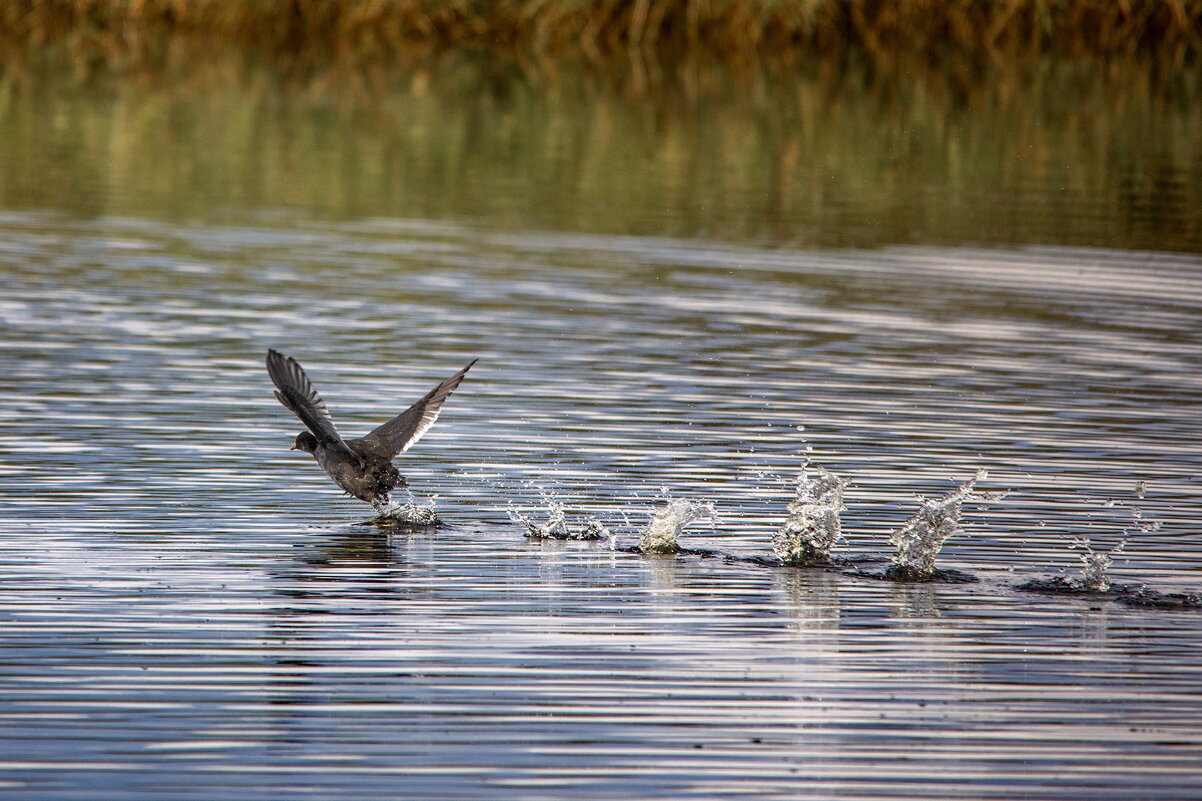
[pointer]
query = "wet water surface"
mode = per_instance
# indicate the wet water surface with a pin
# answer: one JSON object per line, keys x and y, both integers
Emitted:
{"x": 188, "y": 609}
{"x": 677, "y": 293}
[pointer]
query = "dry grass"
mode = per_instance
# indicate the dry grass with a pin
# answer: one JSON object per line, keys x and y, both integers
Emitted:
{"x": 117, "y": 32}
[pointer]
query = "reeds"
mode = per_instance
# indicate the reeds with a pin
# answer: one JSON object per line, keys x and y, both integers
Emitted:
{"x": 731, "y": 30}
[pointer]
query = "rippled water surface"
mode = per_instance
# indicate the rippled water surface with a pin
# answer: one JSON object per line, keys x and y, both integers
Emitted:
{"x": 189, "y": 611}
{"x": 677, "y": 292}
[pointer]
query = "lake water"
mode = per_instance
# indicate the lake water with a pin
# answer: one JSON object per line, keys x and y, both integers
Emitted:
{"x": 189, "y": 611}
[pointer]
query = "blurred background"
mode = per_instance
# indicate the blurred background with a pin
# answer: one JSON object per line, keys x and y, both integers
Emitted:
{"x": 811, "y": 122}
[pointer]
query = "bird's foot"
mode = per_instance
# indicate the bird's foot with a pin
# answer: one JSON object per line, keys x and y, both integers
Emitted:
{"x": 384, "y": 507}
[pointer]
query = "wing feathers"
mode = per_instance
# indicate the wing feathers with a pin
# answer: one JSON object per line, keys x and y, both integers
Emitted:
{"x": 295, "y": 392}
{"x": 401, "y": 432}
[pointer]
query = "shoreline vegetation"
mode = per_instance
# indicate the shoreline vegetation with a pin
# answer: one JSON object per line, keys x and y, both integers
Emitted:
{"x": 203, "y": 110}
{"x": 124, "y": 34}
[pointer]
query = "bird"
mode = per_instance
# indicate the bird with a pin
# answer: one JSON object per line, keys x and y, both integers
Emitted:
{"x": 362, "y": 467}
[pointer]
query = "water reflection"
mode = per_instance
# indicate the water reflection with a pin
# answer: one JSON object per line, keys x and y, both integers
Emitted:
{"x": 914, "y": 601}
{"x": 1060, "y": 153}
{"x": 180, "y": 601}
{"x": 811, "y": 598}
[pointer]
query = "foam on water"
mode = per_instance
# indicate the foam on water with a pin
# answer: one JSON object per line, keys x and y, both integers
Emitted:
{"x": 662, "y": 533}
{"x": 920, "y": 539}
{"x": 813, "y": 526}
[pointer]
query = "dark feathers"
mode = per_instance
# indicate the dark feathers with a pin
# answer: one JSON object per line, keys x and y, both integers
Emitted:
{"x": 363, "y": 467}
{"x": 296, "y": 392}
{"x": 398, "y": 434}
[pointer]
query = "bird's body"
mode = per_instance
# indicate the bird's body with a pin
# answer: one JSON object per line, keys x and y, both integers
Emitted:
{"x": 362, "y": 467}
{"x": 371, "y": 479}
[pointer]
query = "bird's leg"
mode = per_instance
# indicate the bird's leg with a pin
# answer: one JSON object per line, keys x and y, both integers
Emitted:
{"x": 380, "y": 510}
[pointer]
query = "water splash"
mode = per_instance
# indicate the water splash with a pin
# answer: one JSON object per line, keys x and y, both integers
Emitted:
{"x": 593, "y": 529}
{"x": 1094, "y": 578}
{"x": 410, "y": 513}
{"x": 557, "y": 527}
{"x": 1095, "y": 564}
{"x": 661, "y": 534}
{"x": 919, "y": 541}
{"x": 813, "y": 527}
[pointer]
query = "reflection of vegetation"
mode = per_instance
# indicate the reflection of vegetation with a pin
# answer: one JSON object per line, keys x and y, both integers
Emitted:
{"x": 122, "y": 30}
{"x": 1073, "y": 153}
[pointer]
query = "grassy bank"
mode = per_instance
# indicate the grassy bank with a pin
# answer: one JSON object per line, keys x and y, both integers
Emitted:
{"x": 120, "y": 32}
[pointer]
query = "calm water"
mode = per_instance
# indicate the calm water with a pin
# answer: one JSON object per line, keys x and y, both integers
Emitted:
{"x": 189, "y": 611}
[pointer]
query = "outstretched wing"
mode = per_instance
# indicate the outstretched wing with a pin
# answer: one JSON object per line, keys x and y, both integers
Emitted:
{"x": 399, "y": 433}
{"x": 296, "y": 393}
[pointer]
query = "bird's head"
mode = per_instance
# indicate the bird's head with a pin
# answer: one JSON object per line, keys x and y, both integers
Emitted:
{"x": 304, "y": 442}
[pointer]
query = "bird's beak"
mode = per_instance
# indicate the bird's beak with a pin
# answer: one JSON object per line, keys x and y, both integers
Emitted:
{"x": 292, "y": 447}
